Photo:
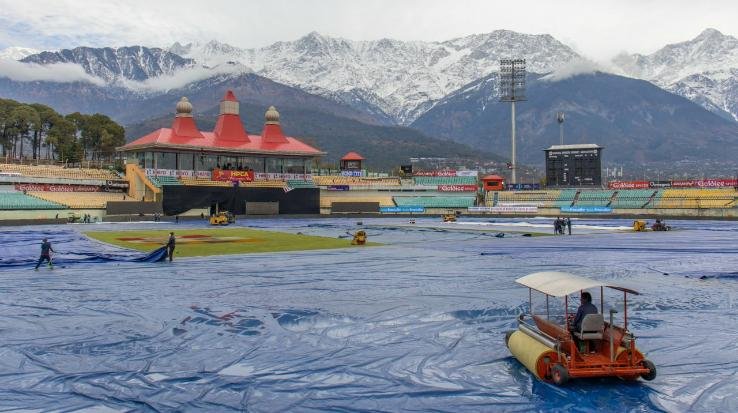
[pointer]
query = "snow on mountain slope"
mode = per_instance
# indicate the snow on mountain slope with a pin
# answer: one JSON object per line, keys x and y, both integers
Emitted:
{"x": 401, "y": 79}
{"x": 17, "y": 52}
{"x": 704, "y": 70}
{"x": 113, "y": 65}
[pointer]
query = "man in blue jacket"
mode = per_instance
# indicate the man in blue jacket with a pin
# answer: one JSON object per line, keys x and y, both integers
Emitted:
{"x": 46, "y": 251}
{"x": 585, "y": 308}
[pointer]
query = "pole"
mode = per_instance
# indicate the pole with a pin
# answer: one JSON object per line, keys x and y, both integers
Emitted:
{"x": 514, "y": 166}
{"x": 561, "y": 133}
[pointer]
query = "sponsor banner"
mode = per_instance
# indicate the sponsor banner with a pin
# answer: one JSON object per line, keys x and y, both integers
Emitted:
{"x": 58, "y": 188}
{"x": 659, "y": 184}
{"x": 116, "y": 184}
{"x": 435, "y": 173}
{"x": 241, "y": 176}
{"x": 684, "y": 183}
{"x": 628, "y": 185}
{"x": 352, "y": 173}
{"x": 587, "y": 209}
{"x": 203, "y": 174}
{"x": 705, "y": 183}
{"x": 506, "y": 208}
{"x": 338, "y": 187}
{"x": 175, "y": 173}
{"x": 457, "y": 188}
{"x": 273, "y": 176}
{"x": 402, "y": 209}
{"x": 446, "y": 173}
{"x": 523, "y": 187}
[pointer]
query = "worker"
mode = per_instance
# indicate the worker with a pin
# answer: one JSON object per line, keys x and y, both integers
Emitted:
{"x": 586, "y": 307}
{"x": 171, "y": 243}
{"x": 568, "y": 224}
{"x": 46, "y": 251}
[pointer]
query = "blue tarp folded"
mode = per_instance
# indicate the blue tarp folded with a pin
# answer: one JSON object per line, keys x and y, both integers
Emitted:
{"x": 70, "y": 247}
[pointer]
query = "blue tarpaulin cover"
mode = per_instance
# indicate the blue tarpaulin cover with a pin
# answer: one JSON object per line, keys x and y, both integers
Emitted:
{"x": 417, "y": 324}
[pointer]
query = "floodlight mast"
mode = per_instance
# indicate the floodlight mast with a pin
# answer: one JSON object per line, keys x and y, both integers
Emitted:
{"x": 512, "y": 89}
{"x": 560, "y": 119}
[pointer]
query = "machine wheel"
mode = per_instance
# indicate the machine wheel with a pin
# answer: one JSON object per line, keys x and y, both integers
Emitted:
{"x": 507, "y": 336}
{"x": 559, "y": 375}
{"x": 651, "y": 370}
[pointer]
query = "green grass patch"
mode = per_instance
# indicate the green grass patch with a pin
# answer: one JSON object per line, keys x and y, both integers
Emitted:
{"x": 220, "y": 241}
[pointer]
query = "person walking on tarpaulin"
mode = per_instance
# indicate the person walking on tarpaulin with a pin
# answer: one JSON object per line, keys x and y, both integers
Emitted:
{"x": 170, "y": 246}
{"x": 568, "y": 224}
{"x": 45, "y": 254}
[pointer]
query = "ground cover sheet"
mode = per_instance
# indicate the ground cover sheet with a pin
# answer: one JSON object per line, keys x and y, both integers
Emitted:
{"x": 416, "y": 324}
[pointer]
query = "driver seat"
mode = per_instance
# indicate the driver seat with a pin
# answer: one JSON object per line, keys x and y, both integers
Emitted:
{"x": 591, "y": 328}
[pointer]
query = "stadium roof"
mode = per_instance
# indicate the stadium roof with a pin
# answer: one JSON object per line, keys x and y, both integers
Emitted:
{"x": 573, "y": 146}
{"x": 352, "y": 156}
{"x": 228, "y": 135}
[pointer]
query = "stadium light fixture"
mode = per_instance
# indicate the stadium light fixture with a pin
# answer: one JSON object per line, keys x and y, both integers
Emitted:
{"x": 560, "y": 119}
{"x": 512, "y": 89}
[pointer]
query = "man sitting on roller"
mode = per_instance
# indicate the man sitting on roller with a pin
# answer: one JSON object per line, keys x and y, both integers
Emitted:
{"x": 585, "y": 308}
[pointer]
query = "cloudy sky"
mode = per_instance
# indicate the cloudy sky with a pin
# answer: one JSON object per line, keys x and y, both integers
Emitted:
{"x": 598, "y": 29}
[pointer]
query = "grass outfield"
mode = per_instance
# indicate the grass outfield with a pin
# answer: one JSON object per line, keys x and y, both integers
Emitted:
{"x": 220, "y": 241}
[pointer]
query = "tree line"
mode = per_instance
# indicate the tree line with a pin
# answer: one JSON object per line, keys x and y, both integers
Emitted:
{"x": 37, "y": 131}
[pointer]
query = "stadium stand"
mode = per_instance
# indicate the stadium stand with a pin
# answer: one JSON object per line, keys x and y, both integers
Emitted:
{"x": 298, "y": 183}
{"x": 594, "y": 198}
{"x": 81, "y": 200}
{"x": 203, "y": 182}
{"x": 383, "y": 200}
{"x": 696, "y": 198}
{"x": 445, "y": 180}
{"x": 566, "y": 198}
{"x": 19, "y": 201}
{"x": 544, "y": 199}
{"x": 262, "y": 184}
{"x": 53, "y": 171}
{"x": 632, "y": 198}
{"x": 436, "y": 201}
{"x": 325, "y": 180}
{"x": 160, "y": 181}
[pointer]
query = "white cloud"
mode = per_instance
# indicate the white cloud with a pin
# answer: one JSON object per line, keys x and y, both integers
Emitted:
{"x": 57, "y": 72}
{"x": 574, "y": 68}
{"x": 182, "y": 77}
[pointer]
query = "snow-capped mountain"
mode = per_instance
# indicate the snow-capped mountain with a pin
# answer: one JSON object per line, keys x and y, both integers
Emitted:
{"x": 17, "y": 52}
{"x": 113, "y": 65}
{"x": 210, "y": 54}
{"x": 704, "y": 70}
{"x": 401, "y": 79}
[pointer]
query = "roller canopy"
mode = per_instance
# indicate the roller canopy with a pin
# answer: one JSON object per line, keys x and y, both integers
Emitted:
{"x": 560, "y": 284}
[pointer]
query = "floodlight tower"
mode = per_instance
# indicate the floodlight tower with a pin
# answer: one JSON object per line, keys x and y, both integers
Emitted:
{"x": 512, "y": 89}
{"x": 560, "y": 119}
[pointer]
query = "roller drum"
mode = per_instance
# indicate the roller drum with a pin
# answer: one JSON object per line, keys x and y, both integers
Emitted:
{"x": 532, "y": 354}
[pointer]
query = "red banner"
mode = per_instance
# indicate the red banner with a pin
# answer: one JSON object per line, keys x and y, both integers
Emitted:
{"x": 241, "y": 176}
{"x": 57, "y": 188}
{"x": 457, "y": 188}
{"x": 628, "y": 185}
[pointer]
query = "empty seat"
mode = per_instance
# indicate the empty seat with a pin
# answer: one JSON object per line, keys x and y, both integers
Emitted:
{"x": 591, "y": 328}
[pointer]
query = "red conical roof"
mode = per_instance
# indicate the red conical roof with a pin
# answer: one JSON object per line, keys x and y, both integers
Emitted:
{"x": 229, "y": 96}
{"x": 352, "y": 156}
{"x": 229, "y": 125}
